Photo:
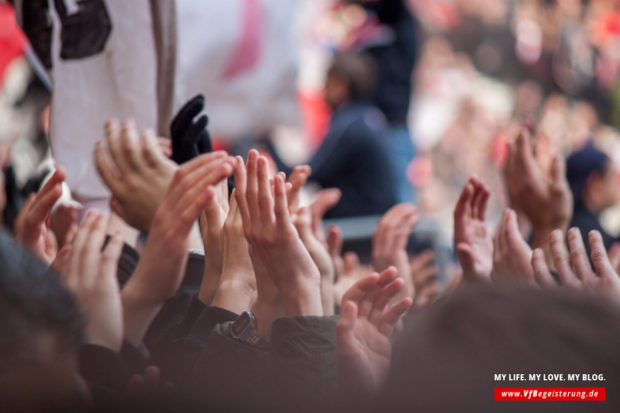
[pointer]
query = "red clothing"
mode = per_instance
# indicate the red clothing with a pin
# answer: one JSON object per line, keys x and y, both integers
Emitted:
{"x": 12, "y": 39}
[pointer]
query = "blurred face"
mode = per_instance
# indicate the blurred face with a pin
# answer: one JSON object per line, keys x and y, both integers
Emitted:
{"x": 336, "y": 91}
{"x": 603, "y": 188}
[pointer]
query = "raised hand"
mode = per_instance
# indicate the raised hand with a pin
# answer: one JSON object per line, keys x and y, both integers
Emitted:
{"x": 547, "y": 203}
{"x": 211, "y": 226}
{"x": 389, "y": 243}
{"x": 162, "y": 262}
{"x": 424, "y": 273}
{"x": 324, "y": 201}
{"x": 423, "y": 268}
{"x": 472, "y": 239}
{"x": 614, "y": 256}
{"x": 363, "y": 347}
{"x": 512, "y": 256}
{"x": 237, "y": 283}
{"x": 135, "y": 170}
{"x": 320, "y": 256}
{"x": 190, "y": 137}
{"x": 90, "y": 274}
{"x": 64, "y": 224}
{"x": 334, "y": 247}
{"x": 297, "y": 180}
{"x": 352, "y": 271}
{"x": 278, "y": 254}
{"x": 30, "y": 225}
{"x": 573, "y": 267}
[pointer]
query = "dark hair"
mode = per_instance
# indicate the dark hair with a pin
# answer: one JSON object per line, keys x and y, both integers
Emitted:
{"x": 580, "y": 165}
{"x": 33, "y": 303}
{"x": 448, "y": 355}
{"x": 359, "y": 70}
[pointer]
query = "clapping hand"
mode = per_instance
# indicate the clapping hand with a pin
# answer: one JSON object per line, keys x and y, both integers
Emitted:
{"x": 90, "y": 274}
{"x": 30, "y": 226}
{"x": 573, "y": 267}
{"x": 162, "y": 262}
{"x": 363, "y": 346}
{"x": 472, "y": 239}
{"x": 135, "y": 170}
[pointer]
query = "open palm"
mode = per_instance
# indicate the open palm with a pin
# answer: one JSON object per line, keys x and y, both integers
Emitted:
{"x": 473, "y": 241}
{"x": 363, "y": 348}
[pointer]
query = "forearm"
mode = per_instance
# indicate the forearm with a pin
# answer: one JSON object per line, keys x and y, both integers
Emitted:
{"x": 303, "y": 360}
{"x": 327, "y": 295}
{"x": 138, "y": 314}
{"x": 302, "y": 299}
{"x": 233, "y": 294}
{"x": 209, "y": 285}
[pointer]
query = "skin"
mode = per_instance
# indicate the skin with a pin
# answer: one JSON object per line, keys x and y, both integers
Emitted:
{"x": 601, "y": 190}
{"x": 474, "y": 246}
{"x": 237, "y": 284}
{"x": 511, "y": 254}
{"x": 211, "y": 224}
{"x": 30, "y": 225}
{"x": 547, "y": 203}
{"x": 389, "y": 246}
{"x": 90, "y": 274}
{"x": 160, "y": 270}
{"x": 135, "y": 170}
{"x": 320, "y": 255}
{"x": 294, "y": 284}
{"x": 573, "y": 266}
{"x": 364, "y": 330}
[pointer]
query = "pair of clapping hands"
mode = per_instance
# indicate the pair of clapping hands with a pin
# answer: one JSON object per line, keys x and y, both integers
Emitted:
{"x": 547, "y": 204}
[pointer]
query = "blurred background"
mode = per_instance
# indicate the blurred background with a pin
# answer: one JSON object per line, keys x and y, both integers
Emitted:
{"x": 481, "y": 68}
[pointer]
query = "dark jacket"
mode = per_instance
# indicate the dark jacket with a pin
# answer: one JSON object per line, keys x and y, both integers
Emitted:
{"x": 353, "y": 158}
{"x": 394, "y": 59}
{"x": 586, "y": 221}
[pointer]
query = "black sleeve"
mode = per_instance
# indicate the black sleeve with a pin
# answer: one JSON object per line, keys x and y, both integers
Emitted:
{"x": 104, "y": 371}
{"x": 390, "y": 12}
{"x": 178, "y": 355}
{"x": 332, "y": 156}
{"x": 303, "y": 361}
{"x": 136, "y": 359}
{"x": 329, "y": 159}
{"x": 234, "y": 375}
{"x": 280, "y": 164}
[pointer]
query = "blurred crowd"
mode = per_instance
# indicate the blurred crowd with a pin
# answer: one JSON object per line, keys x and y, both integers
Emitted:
{"x": 336, "y": 205}
{"x": 487, "y": 66}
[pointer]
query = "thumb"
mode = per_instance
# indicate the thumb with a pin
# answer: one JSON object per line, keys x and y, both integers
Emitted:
{"x": 348, "y": 312}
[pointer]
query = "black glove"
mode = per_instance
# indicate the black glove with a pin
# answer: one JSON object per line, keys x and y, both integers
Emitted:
{"x": 190, "y": 138}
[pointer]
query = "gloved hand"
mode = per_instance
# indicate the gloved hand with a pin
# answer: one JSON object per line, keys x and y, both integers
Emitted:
{"x": 190, "y": 137}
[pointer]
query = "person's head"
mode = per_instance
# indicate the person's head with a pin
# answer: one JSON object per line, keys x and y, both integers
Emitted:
{"x": 592, "y": 178}
{"x": 350, "y": 77}
{"x": 448, "y": 355}
{"x": 41, "y": 329}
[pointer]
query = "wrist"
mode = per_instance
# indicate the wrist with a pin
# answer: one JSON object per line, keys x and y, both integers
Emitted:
{"x": 210, "y": 281}
{"x": 97, "y": 337}
{"x": 302, "y": 299}
{"x": 233, "y": 295}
